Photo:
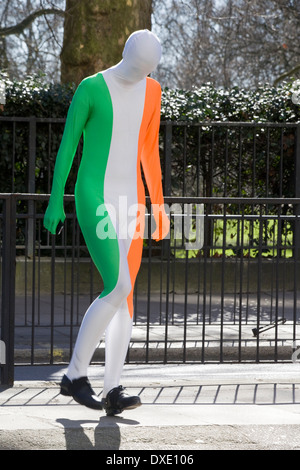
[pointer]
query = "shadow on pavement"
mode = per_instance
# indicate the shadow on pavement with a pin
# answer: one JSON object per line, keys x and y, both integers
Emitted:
{"x": 105, "y": 436}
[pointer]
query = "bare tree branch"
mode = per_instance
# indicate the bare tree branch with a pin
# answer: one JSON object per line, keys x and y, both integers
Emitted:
{"x": 286, "y": 74}
{"x": 19, "y": 27}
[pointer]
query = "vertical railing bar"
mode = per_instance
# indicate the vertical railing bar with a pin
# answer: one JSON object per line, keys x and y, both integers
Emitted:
{"x": 33, "y": 287}
{"x": 49, "y": 159}
{"x": 268, "y": 162}
{"x": 212, "y": 247}
{"x": 11, "y": 287}
{"x": 226, "y": 163}
{"x": 284, "y": 257}
{"x": 198, "y": 160}
{"x": 167, "y": 304}
{"x": 204, "y": 292}
{"x": 296, "y": 269}
{"x": 72, "y": 281}
{"x": 31, "y": 178}
{"x": 173, "y": 272}
{"x": 161, "y": 282}
{"x": 25, "y": 271}
{"x": 184, "y": 163}
{"x": 212, "y": 160}
{"x": 272, "y": 246}
{"x": 205, "y": 250}
{"x": 52, "y": 298}
{"x": 135, "y": 302}
{"x": 296, "y": 234}
{"x": 39, "y": 271}
{"x": 148, "y": 287}
{"x": 259, "y": 273}
{"x": 167, "y": 301}
{"x": 198, "y": 289}
{"x": 13, "y": 157}
{"x": 223, "y": 280}
{"x": 185, "y": 306}
{"x": 241, "y": 285}
{"x": 254, "y": 163}
{"x": 64, "y": 237}
{"x": 77, "y": 270}
{"x": 277, "y": 282}
{"x": 8, "y": 289}
{"x": 237, "y": 257}
{"x": 281, "y": 163}
{"x": 240, "y": 163}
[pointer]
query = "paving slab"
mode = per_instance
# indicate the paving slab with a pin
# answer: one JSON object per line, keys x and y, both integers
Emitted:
{"x": 185, "y": 408}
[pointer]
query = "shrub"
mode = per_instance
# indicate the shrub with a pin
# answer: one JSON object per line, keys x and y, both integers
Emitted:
{"x": 207, "y": 103}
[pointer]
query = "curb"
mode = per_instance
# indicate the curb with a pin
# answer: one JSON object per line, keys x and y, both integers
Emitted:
{"x": 169, "y": 354}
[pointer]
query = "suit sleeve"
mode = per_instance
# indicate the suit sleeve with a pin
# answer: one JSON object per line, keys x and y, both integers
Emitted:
{"x": 152, "y": 170}
{"x": 76, "y": 119}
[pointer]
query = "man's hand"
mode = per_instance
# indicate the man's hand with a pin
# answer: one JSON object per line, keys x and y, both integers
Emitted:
{"x": 54, "y": 214}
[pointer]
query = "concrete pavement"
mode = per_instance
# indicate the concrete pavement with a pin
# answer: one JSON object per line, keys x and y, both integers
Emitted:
{"x": 236, "y": 338}
{"x": 186, "y": 408}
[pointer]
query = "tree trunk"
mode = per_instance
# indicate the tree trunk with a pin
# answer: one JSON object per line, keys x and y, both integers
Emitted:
{"x": 95, "y": 33}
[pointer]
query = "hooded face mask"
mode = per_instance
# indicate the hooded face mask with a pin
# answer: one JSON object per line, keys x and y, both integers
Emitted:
{"x": 141, "y": 55}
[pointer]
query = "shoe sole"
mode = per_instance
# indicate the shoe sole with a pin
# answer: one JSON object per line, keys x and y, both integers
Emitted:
{"x": 113, "y": 412}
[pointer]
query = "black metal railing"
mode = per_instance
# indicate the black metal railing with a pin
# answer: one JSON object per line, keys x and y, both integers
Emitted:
{"x": 223, "y": 287}
{"x": 228, "y": 292}
{"x": 205, "y": 159}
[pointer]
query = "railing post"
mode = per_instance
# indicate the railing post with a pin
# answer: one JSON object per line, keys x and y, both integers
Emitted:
{"x": 297, "y": 162}
{"x": 31, "y": 183}
{"x": 296, "y": 241}
{"x": 297, "y": 193}
{"x": 32, "y": 155}
{"x": 167, "y": 174}
{"x": 8, "y": 290}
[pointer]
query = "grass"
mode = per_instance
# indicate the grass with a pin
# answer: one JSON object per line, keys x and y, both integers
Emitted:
{"x": 245, "y": 238}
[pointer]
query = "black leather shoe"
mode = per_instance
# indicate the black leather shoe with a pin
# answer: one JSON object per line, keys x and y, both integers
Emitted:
{"x": 117, "y": 400}
{"x": 65, "y": 386}
{"x": 82, "y": 392}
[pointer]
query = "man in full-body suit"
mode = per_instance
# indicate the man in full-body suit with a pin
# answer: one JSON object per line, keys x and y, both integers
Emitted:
{"x": 118, "y": 112}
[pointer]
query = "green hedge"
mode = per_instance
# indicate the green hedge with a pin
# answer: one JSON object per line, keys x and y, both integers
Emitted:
{"x": 34, "y": 97}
